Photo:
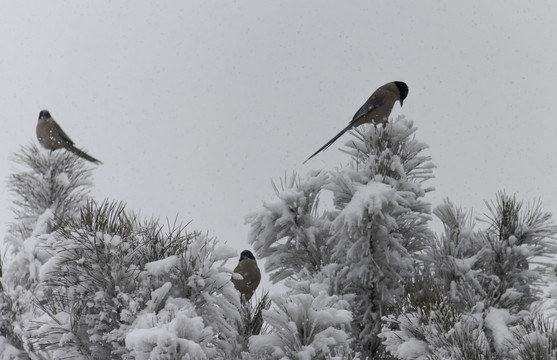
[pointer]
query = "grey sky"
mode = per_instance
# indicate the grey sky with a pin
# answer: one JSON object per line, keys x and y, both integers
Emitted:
{"x": 195, "y": 106}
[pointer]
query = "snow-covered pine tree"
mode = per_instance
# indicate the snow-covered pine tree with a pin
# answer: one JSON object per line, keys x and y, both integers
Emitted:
{"x": 516, "y": 234}
{"x": 48, "y": 188}
{"x": 92, "y": 280}
{"x": 306, "y": 323}
{"x": 119, "y": 287}
{"x": 444, "y": 287}
{"x": 475, "y": 294}
{"x": 49, "y": 185}
{"x": 382, "y": 223}
{"x": 364, "y": 248}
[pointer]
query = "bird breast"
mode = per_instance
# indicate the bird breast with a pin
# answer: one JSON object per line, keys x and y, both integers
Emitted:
{"x": 251, "y": 276}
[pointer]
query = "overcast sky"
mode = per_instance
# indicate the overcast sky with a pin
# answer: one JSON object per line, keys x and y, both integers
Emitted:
{"x": 195, "y": 106}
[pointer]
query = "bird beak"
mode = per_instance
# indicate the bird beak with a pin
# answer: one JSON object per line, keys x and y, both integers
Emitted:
{"x": 401, "y": 101}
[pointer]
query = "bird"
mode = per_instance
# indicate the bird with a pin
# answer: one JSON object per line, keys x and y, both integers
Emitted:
{"x": 251, "y": 276}
{"x": 52, "y": 137}
{"x": 375, "y": 110}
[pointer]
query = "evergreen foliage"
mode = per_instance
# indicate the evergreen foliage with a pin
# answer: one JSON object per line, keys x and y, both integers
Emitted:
{"x": 48, "y": 187}
{"x": 251, "y": 321}
{"x": 368, "y": 242}
{"x": 481, "y": 288}
{"x": 365, "y": 276}
{"x": 56, "y": 181}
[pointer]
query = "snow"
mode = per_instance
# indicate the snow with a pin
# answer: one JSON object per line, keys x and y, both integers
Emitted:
{"x": 280, "y": 208}
{"x": 412, "y": 349}
{"x": 48, "y": 268}
{"x": 159, "y": 294}
{"x": 113, "y": 240}
{"x": 537, "y": 338}
{"x": 42, "y": 223}
{"x": 370, "y": 198}
{"x": 307, "y": 353}
{"x": 161, "y": 267}
{"x": 223, "y": 252}
{"x": 175, "y": 331}
{"x": 62, "y": 179}
{"x": 151, "y": 343}
{"x": 237, "y": 276}
{"x": 496, "y": 320}
{"x": 314, "y": 322}
{"x": 7, "y": 351}
{"x": 260, "y": 342}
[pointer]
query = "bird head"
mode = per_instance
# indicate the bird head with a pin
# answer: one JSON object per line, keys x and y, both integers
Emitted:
{"x": 44, "y": 114}
{"x": 402, "y": 89}
{"x": 246, "y": 254}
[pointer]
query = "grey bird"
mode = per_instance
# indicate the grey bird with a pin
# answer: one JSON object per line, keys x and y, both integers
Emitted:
{"x": 375, "y": 110}
{"x": 251, "y": 276}
{"x": 52, "y": 137}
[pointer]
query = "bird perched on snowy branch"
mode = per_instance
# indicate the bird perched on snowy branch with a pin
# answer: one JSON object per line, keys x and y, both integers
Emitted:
{"x": 52, "y": 137}
{"x": 246, "y": 276}
{"x": 376, "y": 110}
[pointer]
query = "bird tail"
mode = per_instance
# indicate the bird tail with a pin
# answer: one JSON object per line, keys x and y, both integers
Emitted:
{"x": 84, "y": 155}
{"x": 324, "y": 147}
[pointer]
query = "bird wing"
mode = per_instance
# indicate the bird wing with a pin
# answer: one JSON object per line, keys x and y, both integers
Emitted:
{"x": 364, "y": 110}
{"x": 56, "y": 130}
{"x": 376, "y": 100}
{"x": 64, "y": 136}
